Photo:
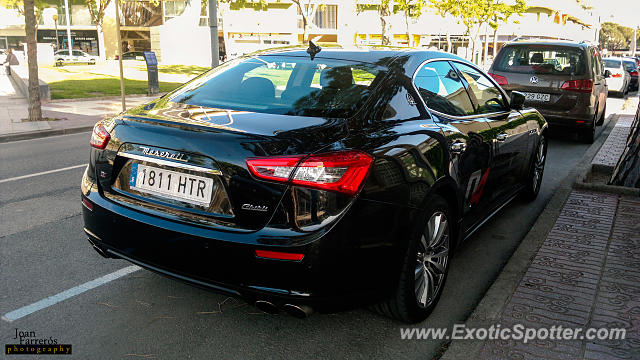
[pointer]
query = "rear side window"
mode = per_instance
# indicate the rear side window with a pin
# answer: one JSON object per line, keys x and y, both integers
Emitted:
{"x": 542, "y": 59}
{"x": 442, "y": 89}
{"x": 610, "y": 63}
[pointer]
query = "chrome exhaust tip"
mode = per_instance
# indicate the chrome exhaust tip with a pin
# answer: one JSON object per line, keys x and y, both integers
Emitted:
{"x": 266, "y": 306}
{"x": 98, "y": 249}
{"x": 298, "y": 311}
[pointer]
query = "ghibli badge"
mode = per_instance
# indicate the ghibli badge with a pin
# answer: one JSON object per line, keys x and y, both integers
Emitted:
{"x": 254, "y": 207}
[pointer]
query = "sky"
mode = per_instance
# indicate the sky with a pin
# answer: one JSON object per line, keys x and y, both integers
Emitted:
{"x": 624, "y": 12}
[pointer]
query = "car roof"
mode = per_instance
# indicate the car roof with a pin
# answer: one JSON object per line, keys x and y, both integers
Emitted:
{"x": 550, "y": 42}
{"x": 382, "y": 56}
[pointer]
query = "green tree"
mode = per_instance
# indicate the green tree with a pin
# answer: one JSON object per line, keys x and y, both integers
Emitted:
{"x": 411, "y": 9}
{"x": 612, "y": 37}
{"x": 307, "y": 9}
{"x": 502, "y": 13}
{"x": 38, "y": 6}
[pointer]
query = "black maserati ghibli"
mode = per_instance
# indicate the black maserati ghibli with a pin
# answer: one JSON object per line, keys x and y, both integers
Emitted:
{"x": 313, "y": 179}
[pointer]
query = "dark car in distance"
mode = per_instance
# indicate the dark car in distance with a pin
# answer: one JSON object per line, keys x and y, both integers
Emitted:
{"x": 303, "y": 180}
{"x": 563, "y": 80}
{"x": 632, "y": 68}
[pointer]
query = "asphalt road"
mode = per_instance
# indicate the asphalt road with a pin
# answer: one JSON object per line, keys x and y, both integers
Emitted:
{"x": 43, "y": 252}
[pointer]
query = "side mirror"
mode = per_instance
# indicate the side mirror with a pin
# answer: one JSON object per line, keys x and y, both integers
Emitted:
{"x": 517, "y": 100}
{"x": 607, "y": 74}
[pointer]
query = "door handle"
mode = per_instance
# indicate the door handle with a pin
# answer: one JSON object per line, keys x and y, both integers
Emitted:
{"x": 458, "y": 147}
{"x": 502, "y": 137}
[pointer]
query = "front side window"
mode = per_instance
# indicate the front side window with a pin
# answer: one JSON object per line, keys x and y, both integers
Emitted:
{"x": 487, "y": 96}
{"x": 77, "y": 53}
{"x": 285, "y": 85}
{"x": 442, "y": 89}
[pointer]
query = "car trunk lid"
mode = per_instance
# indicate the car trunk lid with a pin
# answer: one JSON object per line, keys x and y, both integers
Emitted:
{"x": 205, "y": 143}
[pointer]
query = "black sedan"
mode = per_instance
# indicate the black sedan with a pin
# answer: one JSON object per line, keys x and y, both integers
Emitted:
{"x": 313, "y": 179}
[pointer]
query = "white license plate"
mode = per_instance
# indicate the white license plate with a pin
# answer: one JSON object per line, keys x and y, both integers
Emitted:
{"x": 537, "y": 97}
{"x": 171, "y": 184}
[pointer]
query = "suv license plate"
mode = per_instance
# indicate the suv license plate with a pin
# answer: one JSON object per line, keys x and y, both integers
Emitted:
{"x": 171, "y": 184}
{"x": 537, "y": 97}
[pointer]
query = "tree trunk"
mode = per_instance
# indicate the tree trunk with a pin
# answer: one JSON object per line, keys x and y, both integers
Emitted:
{"x": 384, "y": 15}
{"x": 495, "y": 42}
{"x": 35, "y": 112}
{"x": 101, "y": 53}
{"x": 406, "y": 21}
{"x": 305, "y": 27}
{"x": 449, "y": 49}
{"x": 485, "y": 47}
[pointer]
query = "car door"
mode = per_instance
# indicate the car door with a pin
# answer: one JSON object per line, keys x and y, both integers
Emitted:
{"x": 445, "y": 96}
{"x": 509, "y": 135}
{"x": 599, "y": 81}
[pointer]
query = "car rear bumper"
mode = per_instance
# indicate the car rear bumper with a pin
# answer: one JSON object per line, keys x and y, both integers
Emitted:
{"x": 569, "y": 119}
{"x": 337, "y": 271}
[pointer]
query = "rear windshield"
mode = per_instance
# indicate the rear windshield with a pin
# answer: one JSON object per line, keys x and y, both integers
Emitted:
{"x": 629, "y": 66}
{"x": 284, "y": 85}
{"x": 541, "y": 59}
{"x": 609, "y": 63}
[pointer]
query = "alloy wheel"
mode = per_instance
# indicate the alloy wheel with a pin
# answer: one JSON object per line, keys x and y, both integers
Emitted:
{"x": 538, "y": 166}
{"x": 432, "y": 259}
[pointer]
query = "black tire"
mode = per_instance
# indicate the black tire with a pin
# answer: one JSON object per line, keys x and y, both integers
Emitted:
{"x": 404, "y": 304}
{"x": 536, "y": 171}
{"x": 602, "y": 117}
{"x": 589, "y": 134}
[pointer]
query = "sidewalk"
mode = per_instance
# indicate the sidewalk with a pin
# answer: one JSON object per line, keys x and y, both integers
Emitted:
{"x": 71, "y": 116}
{"x": 585, "y": 274}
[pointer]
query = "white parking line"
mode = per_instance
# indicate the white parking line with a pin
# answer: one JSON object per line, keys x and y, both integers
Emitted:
{"x": 42, "y": 173}
{"x": 52, "y": 300}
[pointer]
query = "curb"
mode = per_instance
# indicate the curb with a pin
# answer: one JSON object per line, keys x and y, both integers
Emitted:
{"x": 43, "y": 133}
{"x": 489, "y": 309}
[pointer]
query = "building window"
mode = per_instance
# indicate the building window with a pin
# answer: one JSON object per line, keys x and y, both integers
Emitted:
{"x": 326, "y": 17}
{"x": 173, "y": 9}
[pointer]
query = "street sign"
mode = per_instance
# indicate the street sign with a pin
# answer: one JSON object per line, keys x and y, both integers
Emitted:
{"x": 152, "y": 72}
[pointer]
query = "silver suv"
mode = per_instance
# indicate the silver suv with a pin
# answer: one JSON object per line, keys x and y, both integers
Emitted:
{"x": 565, "y": 81}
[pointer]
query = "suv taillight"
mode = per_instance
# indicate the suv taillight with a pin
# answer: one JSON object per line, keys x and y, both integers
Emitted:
{"x": 501, "y": 80}
{"x": 99, "y": 137}
{"x": 585, "y": 85}
{"x": 342, "y": 172}
{"x": 633, "y": 73}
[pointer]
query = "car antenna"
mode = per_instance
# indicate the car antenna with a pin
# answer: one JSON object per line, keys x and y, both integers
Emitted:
{"x": 313, "y": 49}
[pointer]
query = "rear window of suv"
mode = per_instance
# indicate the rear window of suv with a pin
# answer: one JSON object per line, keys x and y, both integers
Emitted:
{"x": 611, "y": 63}
{"x": 629, "y": 65}
{"x": 541, "y": 59}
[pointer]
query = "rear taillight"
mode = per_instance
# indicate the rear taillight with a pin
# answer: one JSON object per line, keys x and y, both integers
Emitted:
{"x": 501, "y": 80}
{"x": 99, "y": 137}
{"x": 585, "y": 85}
{"x": 617, "y": 75}
{"x": 342, "y": 172}
{"x": 633, "y": 73}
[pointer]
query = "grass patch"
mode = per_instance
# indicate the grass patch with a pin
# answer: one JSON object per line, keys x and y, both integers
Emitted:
{"x": 179, "y": 69}
{"x": 98, "y": 87}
